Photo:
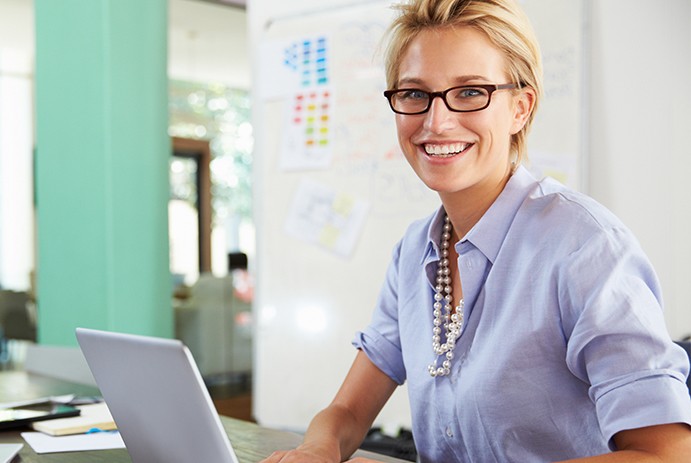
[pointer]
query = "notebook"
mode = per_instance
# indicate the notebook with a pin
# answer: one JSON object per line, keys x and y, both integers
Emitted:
{"x": 92, "y": 417}
{"x": 8, "y": 451}
{"x": 157, "y": 397}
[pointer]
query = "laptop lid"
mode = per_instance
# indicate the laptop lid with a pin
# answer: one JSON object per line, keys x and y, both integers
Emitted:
{"x": 157, "y": 398}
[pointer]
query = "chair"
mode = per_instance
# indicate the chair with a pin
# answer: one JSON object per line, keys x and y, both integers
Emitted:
{"x": 16, "y": 317}
{"x": 17, "y": 323}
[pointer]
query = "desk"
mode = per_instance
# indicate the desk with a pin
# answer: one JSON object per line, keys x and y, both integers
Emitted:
{"x": 250, "y": 441}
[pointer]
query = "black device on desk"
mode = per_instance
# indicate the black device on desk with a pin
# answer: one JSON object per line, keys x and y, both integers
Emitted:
{"x": 27, "y": 414}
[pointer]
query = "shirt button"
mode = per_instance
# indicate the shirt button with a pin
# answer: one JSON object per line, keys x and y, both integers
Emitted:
{"x": 449, "y": 432}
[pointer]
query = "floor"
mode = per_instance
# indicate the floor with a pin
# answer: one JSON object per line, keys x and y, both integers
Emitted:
{"x": 232, "y": 394}
{"x": 239, "y": 406}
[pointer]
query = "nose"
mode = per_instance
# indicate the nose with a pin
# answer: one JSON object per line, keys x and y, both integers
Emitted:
{"x": 439, "y": 117}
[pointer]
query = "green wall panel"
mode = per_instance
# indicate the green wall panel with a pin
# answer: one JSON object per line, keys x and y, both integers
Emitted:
{"x": 102, "y": 167}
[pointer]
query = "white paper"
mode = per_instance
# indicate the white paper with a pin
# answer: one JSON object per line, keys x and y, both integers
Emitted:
{"x": 562, "y": 167}
{"x": 307, "y": 137}
{"x": 288, "y": 65}
{"x": 8, "y": 451}
{"x": 326, "y": 218}
{"x": 43, "y": 443}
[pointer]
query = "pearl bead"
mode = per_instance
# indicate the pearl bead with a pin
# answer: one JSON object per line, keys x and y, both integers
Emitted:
{"x": 453, "y": 323}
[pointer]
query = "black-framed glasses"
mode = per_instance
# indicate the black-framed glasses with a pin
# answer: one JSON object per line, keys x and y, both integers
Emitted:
{"x": 461, "y": 99}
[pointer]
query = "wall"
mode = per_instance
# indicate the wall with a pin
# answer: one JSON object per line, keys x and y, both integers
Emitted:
{"x": 637, "y": 150}
{"x": 640, "y": 155}
{"x": 102, "y": 184}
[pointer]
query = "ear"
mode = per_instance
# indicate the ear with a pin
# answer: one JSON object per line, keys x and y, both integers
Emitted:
{"x": 524, "y": 103}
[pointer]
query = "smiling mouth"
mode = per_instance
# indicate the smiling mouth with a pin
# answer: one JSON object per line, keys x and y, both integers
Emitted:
{"x": 447, "y": 150}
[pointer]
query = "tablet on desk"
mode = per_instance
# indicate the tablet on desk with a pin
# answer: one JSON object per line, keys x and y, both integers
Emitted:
{"x": 25, "y": 415}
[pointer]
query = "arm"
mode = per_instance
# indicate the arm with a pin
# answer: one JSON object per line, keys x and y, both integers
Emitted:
{"x": 338, "y": 430}
{"x": 670, "y": 443}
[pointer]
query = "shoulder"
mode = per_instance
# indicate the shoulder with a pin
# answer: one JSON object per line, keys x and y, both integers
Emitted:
{"x": 555, "y": 208}
{"x": 557, "y": 224}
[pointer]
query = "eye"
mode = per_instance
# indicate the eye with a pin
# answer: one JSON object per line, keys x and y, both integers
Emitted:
{"x": 412, "y": 94}
{"x": 465, "y": 93}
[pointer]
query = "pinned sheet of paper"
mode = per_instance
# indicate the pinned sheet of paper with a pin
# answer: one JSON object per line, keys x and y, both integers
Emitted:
{"x": 291, "y": 65}
{"x": 326, "y": 218}
{"x": 307, "y": 140}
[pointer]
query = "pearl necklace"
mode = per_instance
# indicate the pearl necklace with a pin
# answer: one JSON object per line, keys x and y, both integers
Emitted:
{"x": 452, "y": 323}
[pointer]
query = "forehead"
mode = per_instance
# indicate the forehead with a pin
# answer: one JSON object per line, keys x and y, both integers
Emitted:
{"x": 451, "y": 55}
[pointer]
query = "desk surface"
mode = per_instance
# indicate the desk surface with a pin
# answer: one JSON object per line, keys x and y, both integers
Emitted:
{"x": 252, "y": 443}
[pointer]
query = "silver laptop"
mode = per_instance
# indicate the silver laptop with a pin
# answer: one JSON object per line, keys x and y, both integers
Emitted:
{"x": 157, "y": 398}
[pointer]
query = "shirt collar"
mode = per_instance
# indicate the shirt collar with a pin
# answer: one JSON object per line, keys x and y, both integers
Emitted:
{"x": 489, "y": 232}
{"x": 434, "y": 236}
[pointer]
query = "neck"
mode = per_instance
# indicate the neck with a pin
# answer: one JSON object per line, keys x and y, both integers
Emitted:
{"x": 465, "y": 208}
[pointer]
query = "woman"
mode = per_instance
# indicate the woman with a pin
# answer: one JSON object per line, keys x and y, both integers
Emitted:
{"x": 524, "y": 316}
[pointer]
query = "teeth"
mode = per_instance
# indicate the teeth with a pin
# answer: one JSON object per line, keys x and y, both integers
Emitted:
{"x": 446, "y": 150}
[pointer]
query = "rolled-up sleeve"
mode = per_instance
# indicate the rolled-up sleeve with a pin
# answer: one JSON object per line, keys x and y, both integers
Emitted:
{"x": 380, "y": 340}
{"x": 617, "y": 341}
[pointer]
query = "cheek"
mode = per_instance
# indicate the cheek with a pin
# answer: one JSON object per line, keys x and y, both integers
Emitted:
{"x": 406, "y": 126}
{"x": 496, "y": 126}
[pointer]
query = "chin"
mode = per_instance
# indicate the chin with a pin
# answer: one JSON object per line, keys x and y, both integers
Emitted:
{"x": 444, "y": 187}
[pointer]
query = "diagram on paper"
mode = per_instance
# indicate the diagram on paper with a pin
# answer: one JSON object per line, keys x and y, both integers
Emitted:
{"x": 308, "y": 58}
{"x": 289, "y": 66}
{"x": 326, "y": 218}
{"x": 307, "y": 137}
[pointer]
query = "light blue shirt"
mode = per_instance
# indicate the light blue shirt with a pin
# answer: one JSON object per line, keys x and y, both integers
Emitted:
{"x": 564, "y": 342}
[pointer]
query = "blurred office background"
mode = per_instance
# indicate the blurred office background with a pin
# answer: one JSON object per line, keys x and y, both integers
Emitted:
{"x": 211, "y": 232}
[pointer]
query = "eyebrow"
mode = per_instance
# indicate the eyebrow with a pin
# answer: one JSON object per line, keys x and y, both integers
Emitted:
{"x": 461, "y": 80}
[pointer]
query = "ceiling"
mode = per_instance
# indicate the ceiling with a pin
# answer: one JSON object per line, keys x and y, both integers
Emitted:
{"x": 207, "y": 39}
{"x": 208, "y": 43}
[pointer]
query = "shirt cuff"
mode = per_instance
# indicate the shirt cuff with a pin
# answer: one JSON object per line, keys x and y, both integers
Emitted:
{"x": 653, "y": 400}
{"x": 385, "y": 355}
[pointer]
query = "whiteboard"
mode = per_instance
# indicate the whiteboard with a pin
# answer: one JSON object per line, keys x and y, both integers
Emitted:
{"x": 333, "y": 193}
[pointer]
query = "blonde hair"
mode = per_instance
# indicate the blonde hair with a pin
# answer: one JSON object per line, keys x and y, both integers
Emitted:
{"x": 502, "y": 21}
